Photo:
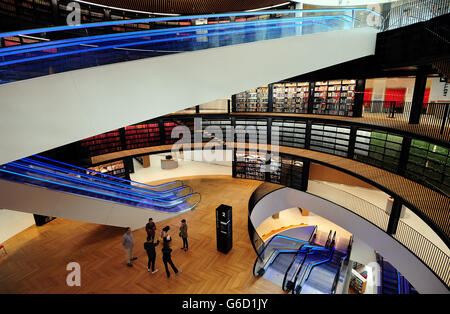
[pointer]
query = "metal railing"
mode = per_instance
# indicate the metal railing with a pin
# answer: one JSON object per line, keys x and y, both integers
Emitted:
{"x": 410, "y": 12}
{"x": 433, "y": 257}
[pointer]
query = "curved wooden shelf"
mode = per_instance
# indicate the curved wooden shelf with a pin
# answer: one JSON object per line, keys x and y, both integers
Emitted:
{"x": 430, "y": 205}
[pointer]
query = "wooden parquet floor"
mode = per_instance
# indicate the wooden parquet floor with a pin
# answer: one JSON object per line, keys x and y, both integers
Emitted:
{"x": 37, "y": 257}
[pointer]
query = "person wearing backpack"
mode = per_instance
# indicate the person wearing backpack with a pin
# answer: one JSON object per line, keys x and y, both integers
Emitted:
{"x": 167, "y": 252}
{"x": 149, "y": 247}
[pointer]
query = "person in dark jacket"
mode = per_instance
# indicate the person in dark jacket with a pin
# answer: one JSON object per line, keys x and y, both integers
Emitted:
{"x": 149, "y": 246}
{"x": 167, "y": 251}
{"x": 184, "y": 234}
{"x": 150, "y": 227}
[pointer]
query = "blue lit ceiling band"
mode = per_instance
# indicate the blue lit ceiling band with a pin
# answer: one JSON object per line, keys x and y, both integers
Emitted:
{"x": 105, "y": 175}
{"x": 83, "y": 182}
{"x": 99, "y": 38}
{"x": 95, "y": 178}
{"x": 165, "y": 19}
{"x": 136, "y": 44}
{"x": 90, "y": 191}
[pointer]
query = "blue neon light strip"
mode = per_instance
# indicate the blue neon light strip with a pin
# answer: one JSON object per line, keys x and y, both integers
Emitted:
{"x": 134, "y": 44}
{"x": 94, "y": 178}
{"x": 99, "y": 38}
{"x": 149, "y": 20}
{"x": 398, "y": 283}
{"x": 102, "y": 174}
{"x": 90, "y": 191}
{"x": 83, "y": 182}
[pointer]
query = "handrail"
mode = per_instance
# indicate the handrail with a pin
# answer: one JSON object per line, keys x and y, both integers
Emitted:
{"x": 176, "y": 18}
{"x": 344, "y": 261}
{"x": 422, "y": 10}
{"x": 310, "y": 268}
{"x": 313, "y": 235}
{"x": 107, "y": 176}
{"x": 328, "y": 238}
{"x": 161, "y": 198}
{"x": 411, "y": 239}
{"x": 283, "y": 284}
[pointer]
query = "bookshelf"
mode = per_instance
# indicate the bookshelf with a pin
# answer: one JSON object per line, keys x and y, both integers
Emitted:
{"x": 102, "y": 144}
{"x": 291, "y": 97}
{"x": 250, "y": 165}
{"x": 253, "y": 100}
{"x": 331, "y": 139}
{"x": 289, "y": 132}
{"x": 169, "y": 125}
{"x": 142, "y": 135}
{"x": 284, "y": 169}
{"x": 116, "y": 168}
{"x": 334, "y": 97}
{"x": 255, "y": 129}
{"x": 358, "y": 282}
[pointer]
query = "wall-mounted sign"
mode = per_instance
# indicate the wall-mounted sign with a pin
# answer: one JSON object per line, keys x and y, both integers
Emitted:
{"x": 440, "y": 91}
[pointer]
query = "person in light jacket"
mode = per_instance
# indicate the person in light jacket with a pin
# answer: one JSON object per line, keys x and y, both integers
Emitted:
{"x": 184, "y": 234}
{"x": 128, "y": 244}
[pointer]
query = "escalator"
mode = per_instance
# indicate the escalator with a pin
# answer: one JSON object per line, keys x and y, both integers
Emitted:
{"x": 317, "y": 275}
{"x": 47, "y": 175}
{"x": 392, "y": 282}
{"x": 278, "y": 256}
{"x": 72, "y": 71}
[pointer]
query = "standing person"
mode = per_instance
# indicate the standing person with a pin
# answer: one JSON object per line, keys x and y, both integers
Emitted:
{"x": 150, "y": 227}
{"x": 128, "y": 244}
{"x": 149, "y": 246}
{"x": 183, "y": 234}
{"x": 167, "y": 251}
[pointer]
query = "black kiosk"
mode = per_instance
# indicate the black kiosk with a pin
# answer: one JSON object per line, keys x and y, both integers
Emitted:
{"x": 224, "y": 228}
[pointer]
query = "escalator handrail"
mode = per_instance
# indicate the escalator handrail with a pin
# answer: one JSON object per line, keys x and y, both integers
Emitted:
{"x": 96, "y": 185}
{"x": 105, "y": 175}
{"x": 96, "y": 178}
{"x": 313, "y": 234}
{"x": 290, "y": 265}
{"x": 101, "y": 193}
{"x": 267, "y": 244}
{"x": 328, "y": 238}
{"x": 150, "y": 20}
{"x": 312, "y": 266}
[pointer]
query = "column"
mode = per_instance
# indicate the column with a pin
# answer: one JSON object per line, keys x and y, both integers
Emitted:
{"x": 305, "y": 175}
{"x": 394, "y": 216}
{"x": 359, "y": 97}
{"x": 311, "y": 98}
{"x": 404, "y": 156}
{"x": 418, "y": 94}
{"x": 270, "y": 98}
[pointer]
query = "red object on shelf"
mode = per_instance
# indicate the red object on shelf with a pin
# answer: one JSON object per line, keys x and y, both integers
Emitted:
{"x": 3, "y": 247}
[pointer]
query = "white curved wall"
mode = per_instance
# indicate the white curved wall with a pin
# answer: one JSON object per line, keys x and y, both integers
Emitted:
{"x": 42, "y": 201}
{"x": 411, "y": 267}
{"x": 50, "y": 111}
